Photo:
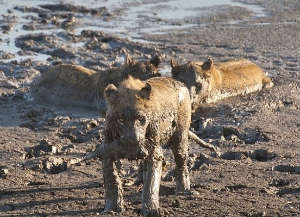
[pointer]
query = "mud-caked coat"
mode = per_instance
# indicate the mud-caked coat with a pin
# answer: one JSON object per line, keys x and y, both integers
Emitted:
{"x": 141, "y": 117}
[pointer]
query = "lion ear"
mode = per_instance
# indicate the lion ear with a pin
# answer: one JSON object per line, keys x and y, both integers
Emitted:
{"x": 173, "y": 64}
{"x": 155, "y": 61}
{"x": 208, "y": 64}
{"x": 145, "y": 91}
{"x": 129, "y": 60}
{"x": 111, "y": 94}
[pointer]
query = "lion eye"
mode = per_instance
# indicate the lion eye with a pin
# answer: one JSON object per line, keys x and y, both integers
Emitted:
{"x": 198, "y": 87}
{"x": 207, "y": 75}
{"x": 142, "y": 119}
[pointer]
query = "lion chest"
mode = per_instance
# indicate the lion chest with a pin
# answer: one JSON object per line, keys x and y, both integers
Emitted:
{"x": 162, "y": 127}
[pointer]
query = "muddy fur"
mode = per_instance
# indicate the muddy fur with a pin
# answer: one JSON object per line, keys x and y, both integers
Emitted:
{"x": 74, "y": 84}
{"x": 142, "y": 116}
{"x": 209, "y": 82}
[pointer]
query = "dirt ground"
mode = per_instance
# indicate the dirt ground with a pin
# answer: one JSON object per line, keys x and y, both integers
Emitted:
{"x": 258, "y": 172}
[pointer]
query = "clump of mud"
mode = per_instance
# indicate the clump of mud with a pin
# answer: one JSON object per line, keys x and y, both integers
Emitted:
{"x": 43, "y": 148}
{"x": 54, "y": 165}
{"x": 228, "y": 135}
{"x": 82, "y": 131}
{"x": 102, "y": 11}
{"x": 3, "y": 172}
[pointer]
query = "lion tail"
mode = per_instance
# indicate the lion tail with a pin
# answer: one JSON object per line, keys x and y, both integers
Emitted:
{"x": 204, "y": 144}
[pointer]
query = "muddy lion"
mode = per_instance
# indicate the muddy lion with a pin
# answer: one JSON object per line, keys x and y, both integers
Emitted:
{"x": 141, "y": 117}
{"x": 77, "y": 85}
{"x": 209, "y": 82}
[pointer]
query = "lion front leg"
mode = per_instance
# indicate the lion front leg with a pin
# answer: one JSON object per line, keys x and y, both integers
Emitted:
{"x": 152, "y": 177}
{"x": 113, "y": 186}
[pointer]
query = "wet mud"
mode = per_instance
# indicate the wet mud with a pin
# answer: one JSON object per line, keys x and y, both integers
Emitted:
{"x": 258, "y": 133}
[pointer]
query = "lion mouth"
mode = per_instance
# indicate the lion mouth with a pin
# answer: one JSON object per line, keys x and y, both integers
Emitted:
{"x": 118, "y": 149}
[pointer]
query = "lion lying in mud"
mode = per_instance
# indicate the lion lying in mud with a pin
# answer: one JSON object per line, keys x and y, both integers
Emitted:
{"x": 209, "y": 82}
{"x": 74, "y": 84}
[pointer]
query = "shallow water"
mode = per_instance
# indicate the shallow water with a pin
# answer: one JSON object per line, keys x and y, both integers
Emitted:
{"x": 178, "y": 9}
{"x": 136, "y": 19}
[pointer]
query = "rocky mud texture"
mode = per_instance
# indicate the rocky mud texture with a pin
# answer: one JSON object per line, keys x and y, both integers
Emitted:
{"x": 258, "y": 171}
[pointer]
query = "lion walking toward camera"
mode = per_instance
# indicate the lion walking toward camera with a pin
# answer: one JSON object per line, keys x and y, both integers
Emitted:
{"x": 141, "y": 117}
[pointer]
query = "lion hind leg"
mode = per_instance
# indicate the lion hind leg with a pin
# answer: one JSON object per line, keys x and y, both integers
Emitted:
{"x": 180, "y": 151}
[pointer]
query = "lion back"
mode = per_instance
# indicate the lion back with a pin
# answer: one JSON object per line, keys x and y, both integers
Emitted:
{"x": 67, "y": 84}
{"x": 243, "y": 74}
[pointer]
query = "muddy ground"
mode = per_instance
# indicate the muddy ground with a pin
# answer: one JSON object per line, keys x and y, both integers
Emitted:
{"x": 258, "y": 173}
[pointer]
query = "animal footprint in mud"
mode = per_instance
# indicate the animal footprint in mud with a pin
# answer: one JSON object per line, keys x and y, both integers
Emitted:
{"x": 286, "y": 168}
{"x": 233, "y": 155}
{"x": 261, "y": 155}
{"x": 258, "y": 155}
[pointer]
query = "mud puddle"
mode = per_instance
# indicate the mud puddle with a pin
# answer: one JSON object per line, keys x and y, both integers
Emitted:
{"x": 123, "y": 18}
